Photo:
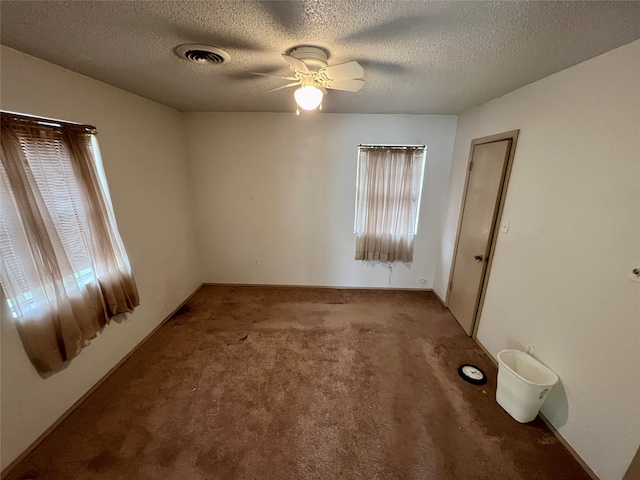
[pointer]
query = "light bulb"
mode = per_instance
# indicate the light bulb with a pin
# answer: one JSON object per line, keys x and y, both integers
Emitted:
{"x": 308, "y": 97}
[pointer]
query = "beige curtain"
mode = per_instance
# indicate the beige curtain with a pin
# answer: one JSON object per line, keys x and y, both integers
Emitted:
{"x": 387, "y": 203}
{"x": 64, "y": 271}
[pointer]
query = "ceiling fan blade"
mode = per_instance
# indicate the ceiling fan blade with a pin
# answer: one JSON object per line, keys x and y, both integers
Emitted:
{"x": 296, "y": 64}
{"x": 292, "y": 84}
{"x": 350, "y": 85}
{"x": 344, "y": 71}
{"x": 276, "y": 76}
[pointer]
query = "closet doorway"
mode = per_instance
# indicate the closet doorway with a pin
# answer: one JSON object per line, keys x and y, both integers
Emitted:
{"x": 490, "y": 161}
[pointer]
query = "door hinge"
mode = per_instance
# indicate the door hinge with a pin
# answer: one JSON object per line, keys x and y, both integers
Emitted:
{"x": 450, "y": 285}
{"x": 471, "y": 165}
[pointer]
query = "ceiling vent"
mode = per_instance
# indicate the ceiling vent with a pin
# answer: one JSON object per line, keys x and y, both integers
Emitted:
{"x": 202, "y": 54}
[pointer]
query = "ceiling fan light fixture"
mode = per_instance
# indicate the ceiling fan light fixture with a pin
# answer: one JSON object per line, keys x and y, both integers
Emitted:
{"x": 308, "y": 97}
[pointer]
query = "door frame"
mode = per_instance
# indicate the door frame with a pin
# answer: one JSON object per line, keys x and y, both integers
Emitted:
{"x": 493, "y": 238}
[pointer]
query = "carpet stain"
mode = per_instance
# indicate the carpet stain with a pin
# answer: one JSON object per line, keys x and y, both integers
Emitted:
{"x": 29, "y": 475}
{"x": 135, "y": 441}
{"x": 168, "y": 453}
{"x": 101, "y": 462}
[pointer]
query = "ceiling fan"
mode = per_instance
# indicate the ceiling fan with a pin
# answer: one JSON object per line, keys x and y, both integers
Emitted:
{"x": 313, "y": 75}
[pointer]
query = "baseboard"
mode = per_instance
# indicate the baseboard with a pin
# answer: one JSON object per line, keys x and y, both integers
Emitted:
{"x": 560, "y": 438}
{"x": 486, "y": 352}
{"x": 438, "y": 297}
{"x": 566, "y": 445}
{"x": 70, "y": 410}
{"x": 328, "y": 287}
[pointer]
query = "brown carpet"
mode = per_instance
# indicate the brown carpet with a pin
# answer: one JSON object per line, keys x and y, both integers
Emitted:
{"x": 300, "y": 383}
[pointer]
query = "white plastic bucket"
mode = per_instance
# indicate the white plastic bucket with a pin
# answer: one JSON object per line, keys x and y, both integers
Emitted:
{"x": 523, "y": 384}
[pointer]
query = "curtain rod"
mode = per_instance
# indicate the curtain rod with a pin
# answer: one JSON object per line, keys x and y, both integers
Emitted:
{"x": 45, "y": 122}
{"x": 395, "y": 147}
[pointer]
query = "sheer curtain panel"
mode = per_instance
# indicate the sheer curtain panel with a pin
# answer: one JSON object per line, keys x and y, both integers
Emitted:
{"x": 387, "y": 202}
{"x": 64, "y": 269}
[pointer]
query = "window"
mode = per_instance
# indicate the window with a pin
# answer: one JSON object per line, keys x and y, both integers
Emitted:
{"x": 64, "y": 269}
{"x": 389, "y": 185}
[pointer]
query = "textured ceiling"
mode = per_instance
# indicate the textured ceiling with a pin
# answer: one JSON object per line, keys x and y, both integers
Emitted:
{"x": 419, "y": 57}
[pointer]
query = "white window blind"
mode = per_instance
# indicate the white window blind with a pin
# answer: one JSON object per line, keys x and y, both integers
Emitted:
{"x": 388, "y": 196}
{"x": 64, "y": 272}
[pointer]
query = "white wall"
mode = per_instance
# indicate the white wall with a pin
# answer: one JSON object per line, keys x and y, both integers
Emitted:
{"x": 143, "y": 152}
{"x": 279, "y": 190}
{"x": 560, "y": 277}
